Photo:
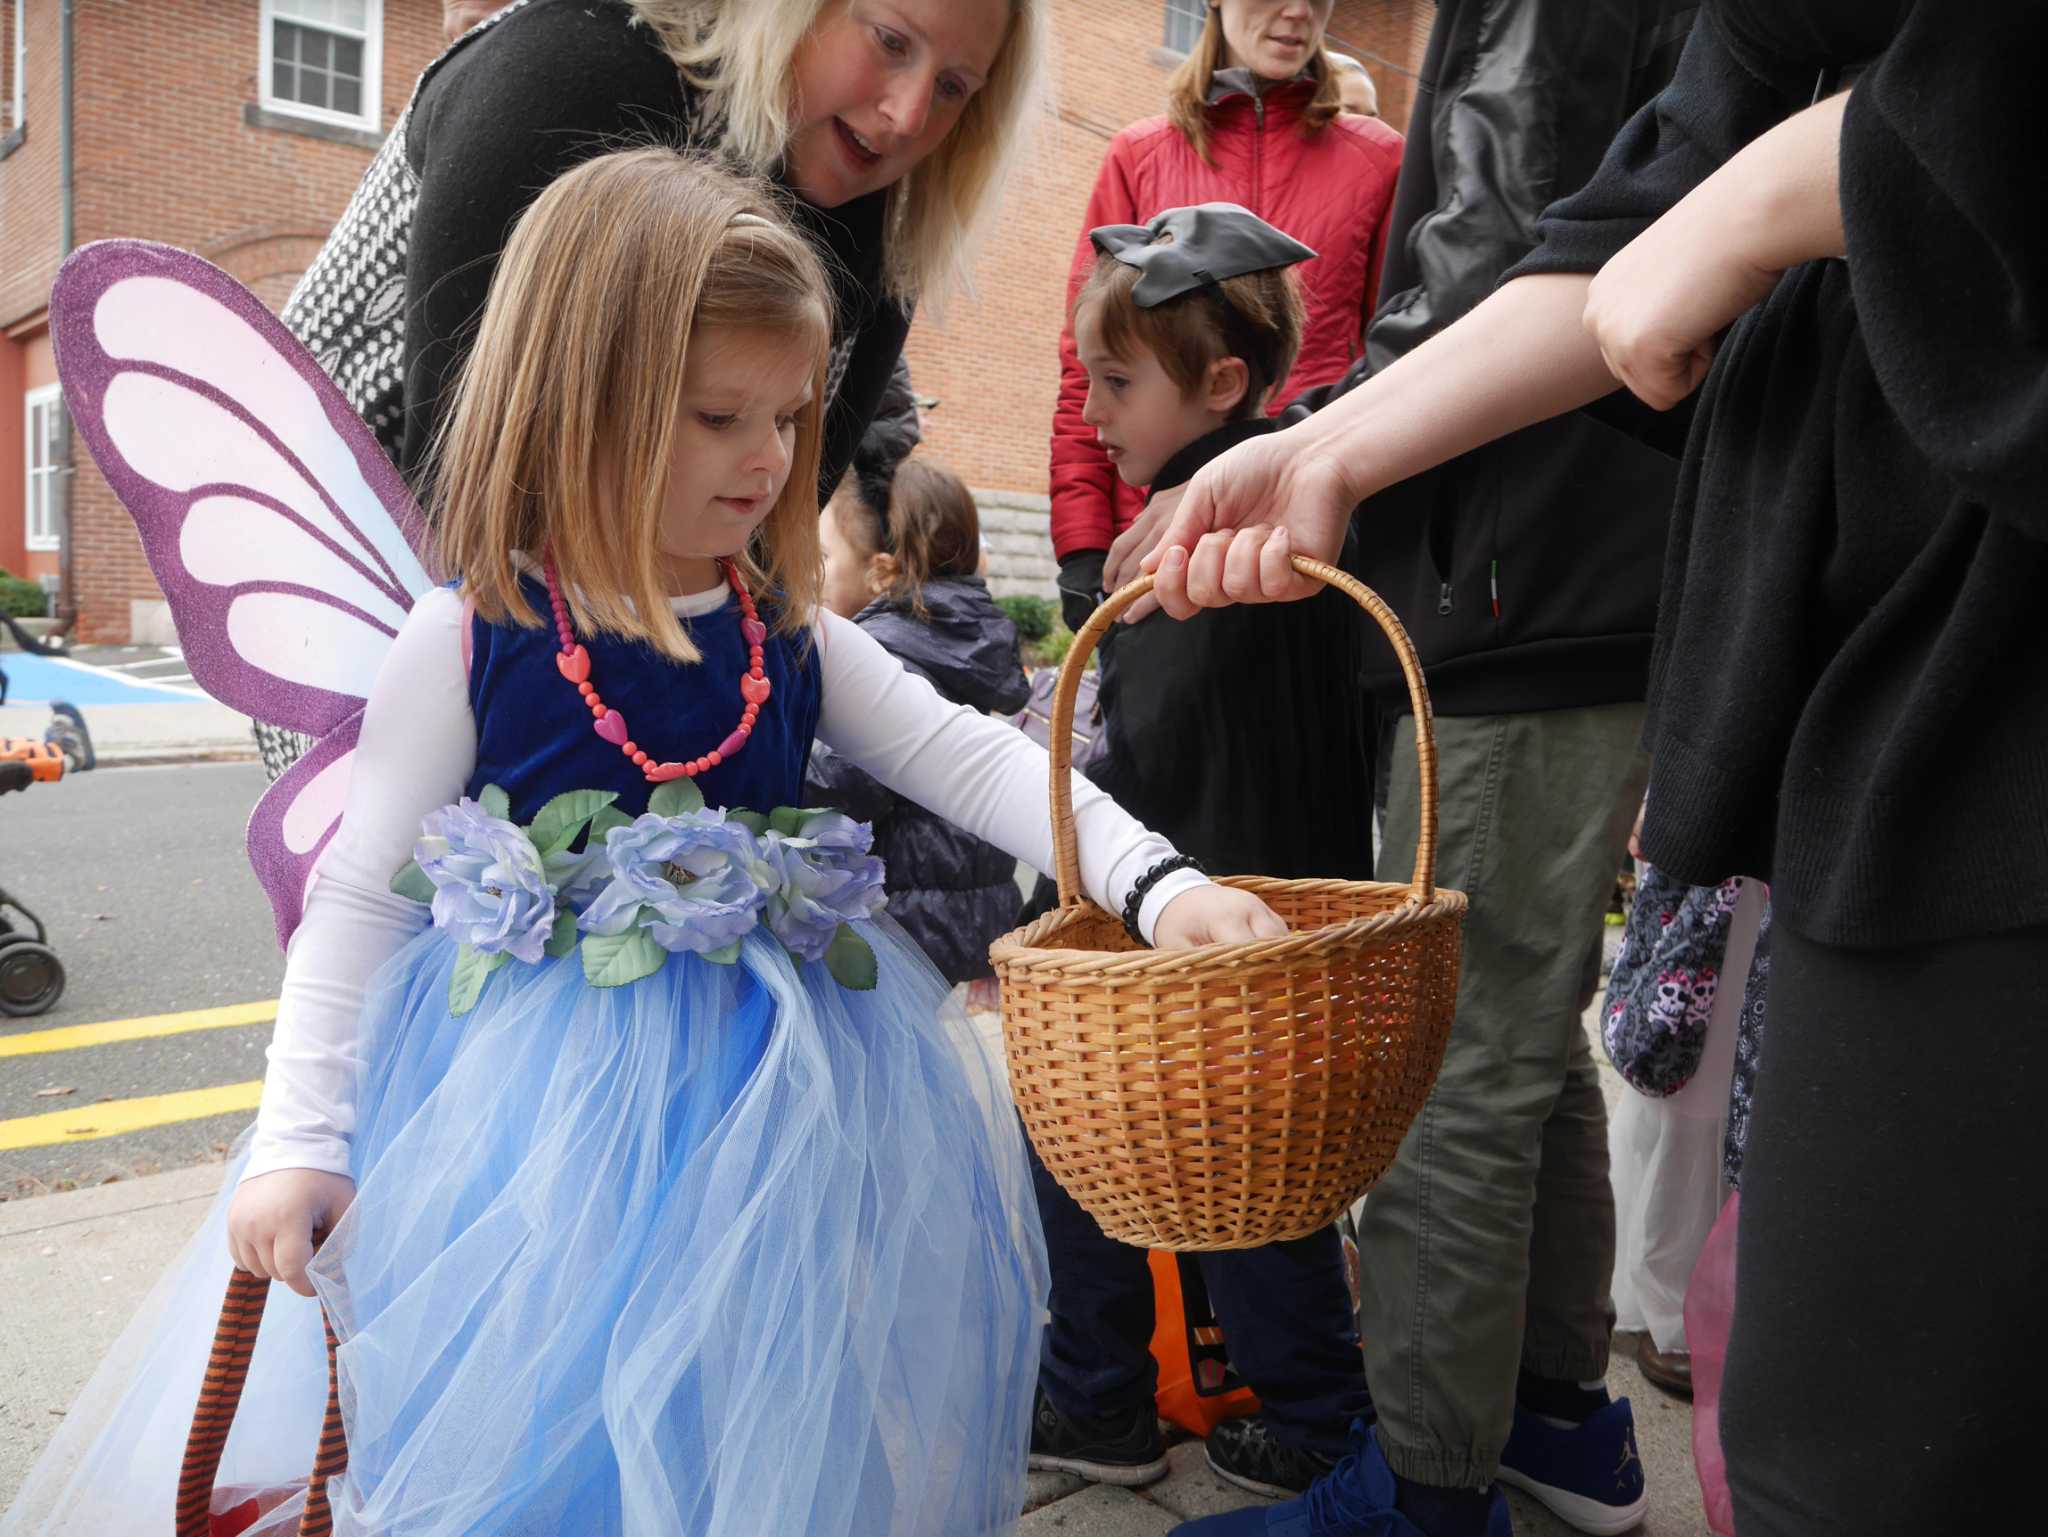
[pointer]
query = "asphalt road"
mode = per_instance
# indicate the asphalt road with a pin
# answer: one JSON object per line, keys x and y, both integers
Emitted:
{"x": 140, "y": 876}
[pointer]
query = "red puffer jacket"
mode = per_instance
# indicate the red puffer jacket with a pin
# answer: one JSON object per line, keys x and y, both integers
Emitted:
{"x": 1330, "y": 190}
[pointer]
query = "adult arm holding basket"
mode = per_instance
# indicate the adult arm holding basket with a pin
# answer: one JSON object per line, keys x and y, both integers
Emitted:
{"x": 1541, "y": 345}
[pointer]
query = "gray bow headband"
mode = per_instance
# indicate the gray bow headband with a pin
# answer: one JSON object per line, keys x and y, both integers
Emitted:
{"x": 1184, "y": 249}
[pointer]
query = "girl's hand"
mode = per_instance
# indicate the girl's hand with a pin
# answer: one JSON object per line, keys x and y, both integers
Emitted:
{"x": 1215, "y": 915}
{"x": 274, "y": 1217}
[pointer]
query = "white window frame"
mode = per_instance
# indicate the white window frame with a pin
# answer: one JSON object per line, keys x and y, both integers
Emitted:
{"x": 372, "y": 38}
{"x": 18, "y": 109}
{"x": 1194, "y": 11}
{"x": 52, "y": 539}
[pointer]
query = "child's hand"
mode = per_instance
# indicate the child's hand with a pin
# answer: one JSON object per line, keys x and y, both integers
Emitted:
{"x": 273, "y": 1217}
{"x": 1215, "y": 915}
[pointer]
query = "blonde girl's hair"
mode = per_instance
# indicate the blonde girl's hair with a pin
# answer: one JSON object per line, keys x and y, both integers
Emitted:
{"x": 562, "y": 426}
{"x": 740, "y": 53}
{"x": 1187, "y": 93}
{"x": 923, "y": 516}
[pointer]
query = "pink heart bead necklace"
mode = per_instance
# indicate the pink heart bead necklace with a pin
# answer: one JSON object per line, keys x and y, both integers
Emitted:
{"x": 574, "y": 663}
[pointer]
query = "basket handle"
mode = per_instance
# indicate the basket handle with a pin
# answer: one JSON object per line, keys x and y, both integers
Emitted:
{"x": 1066, "y": 852}
{"x": 227, "y": 1369}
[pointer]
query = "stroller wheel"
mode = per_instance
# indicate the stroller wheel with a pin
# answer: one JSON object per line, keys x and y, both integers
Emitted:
{"x": 31, "y": 978}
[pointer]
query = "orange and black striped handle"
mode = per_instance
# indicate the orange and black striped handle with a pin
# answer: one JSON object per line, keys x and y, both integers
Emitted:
{"x": 227, "y": 1369}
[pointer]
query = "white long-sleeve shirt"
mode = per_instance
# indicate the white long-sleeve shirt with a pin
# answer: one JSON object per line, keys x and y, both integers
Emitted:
{"x": 418, "y": 750}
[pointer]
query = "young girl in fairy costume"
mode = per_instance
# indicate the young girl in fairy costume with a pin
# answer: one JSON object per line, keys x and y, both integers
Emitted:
{"x": 658, "y": 1194}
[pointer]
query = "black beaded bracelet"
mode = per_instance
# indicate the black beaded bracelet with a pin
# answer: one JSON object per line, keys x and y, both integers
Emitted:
{"x": 1147, "y": 881}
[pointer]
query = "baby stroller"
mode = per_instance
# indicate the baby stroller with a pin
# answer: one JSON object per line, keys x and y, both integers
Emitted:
{"x": 31, "y": 976}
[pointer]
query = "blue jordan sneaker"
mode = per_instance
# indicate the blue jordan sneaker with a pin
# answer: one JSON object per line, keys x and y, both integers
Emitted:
{"x": 1354, "y": 1499}
{"x": 1588, "y": 1475}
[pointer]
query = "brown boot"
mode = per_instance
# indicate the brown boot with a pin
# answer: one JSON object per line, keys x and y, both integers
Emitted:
{"x": 1668, "y": 1370}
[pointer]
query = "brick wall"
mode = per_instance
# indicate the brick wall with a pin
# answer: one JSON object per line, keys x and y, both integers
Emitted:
{"x": 993, "y": 359}
{"x": 163, "y": 151}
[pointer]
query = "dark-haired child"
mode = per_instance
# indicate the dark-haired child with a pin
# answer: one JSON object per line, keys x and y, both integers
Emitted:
{"x": 1241, "y": 735}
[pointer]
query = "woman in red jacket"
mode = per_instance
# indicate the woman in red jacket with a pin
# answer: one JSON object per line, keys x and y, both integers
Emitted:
{"x": 1252, "y": 119}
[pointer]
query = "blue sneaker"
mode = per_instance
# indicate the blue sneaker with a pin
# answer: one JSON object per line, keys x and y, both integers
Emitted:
{"x": 1353, "y": 1499}
{"x": 1588, "y": 1475}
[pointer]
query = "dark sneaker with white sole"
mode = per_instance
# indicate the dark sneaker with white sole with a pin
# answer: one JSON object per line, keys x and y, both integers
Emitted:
{"x": 1122, "y": 1449}
{"x": 1589, "y": 1475}
{"x": 1245, "y": 1452}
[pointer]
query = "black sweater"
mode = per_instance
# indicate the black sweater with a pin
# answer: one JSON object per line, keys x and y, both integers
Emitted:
{"x": 514, "y": 105}
{"x": 1849, "y": 687}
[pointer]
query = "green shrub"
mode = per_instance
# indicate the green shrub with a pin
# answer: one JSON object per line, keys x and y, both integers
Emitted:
{"x": 21, "y": 598}
{"x": 1032, "y": 616}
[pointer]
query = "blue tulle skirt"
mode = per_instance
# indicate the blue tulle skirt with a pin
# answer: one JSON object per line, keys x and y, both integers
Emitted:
{"x": 728, "y": 1251}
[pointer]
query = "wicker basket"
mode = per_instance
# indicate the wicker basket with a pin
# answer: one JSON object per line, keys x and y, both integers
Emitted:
{"x": 1233, "y": 1095}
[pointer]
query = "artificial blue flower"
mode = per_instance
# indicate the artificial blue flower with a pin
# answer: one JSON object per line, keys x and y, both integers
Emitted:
{"x": 491, "y": 891}
{"x": 824, "y": 876}
{"x": 695, "y": 882}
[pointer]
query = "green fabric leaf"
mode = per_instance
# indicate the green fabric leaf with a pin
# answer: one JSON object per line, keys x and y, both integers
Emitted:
{"x": 788, "y": 819}
{"x": 605, "y": 821}
{"x": 496, "y": 802}
{"x": 557, "y": 823}
{"x": 724, "y": 955}
{"x": 412, "y": 883}
{"x": 676, "y": 798}
{"x": 851, "y": 960}
{"x": 615, "y": 960}
{"x": 467, "y": 982}
{"x": 752, "y": 821}
{"x": 561, "y": 938}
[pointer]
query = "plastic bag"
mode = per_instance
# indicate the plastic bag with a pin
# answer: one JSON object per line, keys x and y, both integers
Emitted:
{"x": 1709, "y": 1310}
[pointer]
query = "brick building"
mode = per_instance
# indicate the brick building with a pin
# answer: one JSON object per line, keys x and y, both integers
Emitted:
{"x": 238, "y": 128}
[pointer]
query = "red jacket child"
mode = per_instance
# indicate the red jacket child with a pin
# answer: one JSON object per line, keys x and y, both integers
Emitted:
{"x": 1331, "y": 189}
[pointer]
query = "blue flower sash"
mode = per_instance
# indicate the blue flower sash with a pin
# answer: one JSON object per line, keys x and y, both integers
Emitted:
{"x": 681, "y": 876}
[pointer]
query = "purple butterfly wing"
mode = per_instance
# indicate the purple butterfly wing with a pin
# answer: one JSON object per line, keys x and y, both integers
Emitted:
{"x": 296, "y": 819}
{"x": 285, "y": 542}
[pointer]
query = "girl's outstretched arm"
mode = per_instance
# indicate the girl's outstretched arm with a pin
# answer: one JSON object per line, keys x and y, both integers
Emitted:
{"x": 416, "y": 753}
{"x": 991, "y": 779}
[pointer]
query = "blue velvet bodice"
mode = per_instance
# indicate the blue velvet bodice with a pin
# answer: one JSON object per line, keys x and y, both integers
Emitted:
{"x": 534, "y": 736}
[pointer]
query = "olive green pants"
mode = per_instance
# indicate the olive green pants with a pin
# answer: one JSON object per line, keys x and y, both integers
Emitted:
{"x": 1489, "y": 1246}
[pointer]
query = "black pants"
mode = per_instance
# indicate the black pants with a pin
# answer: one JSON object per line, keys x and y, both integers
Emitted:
{"x": 1285, "y": 1311}
{"x": 1885, "y": 1369}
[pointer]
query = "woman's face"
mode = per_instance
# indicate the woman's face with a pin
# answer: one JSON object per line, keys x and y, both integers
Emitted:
{"x": 1274, "y": 39}
{"x": 879, "y": 85}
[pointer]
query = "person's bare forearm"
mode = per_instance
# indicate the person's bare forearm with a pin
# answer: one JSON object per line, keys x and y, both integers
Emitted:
{"x": 1519, "y": 357}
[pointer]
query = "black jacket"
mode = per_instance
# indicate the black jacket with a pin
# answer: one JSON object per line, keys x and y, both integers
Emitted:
{"x": 954, "y": 894}
{"x": 1526, "y": 571}
{"x": 1850, "y": 695}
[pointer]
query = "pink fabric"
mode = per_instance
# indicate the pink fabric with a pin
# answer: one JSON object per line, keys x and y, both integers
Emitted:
{"x": 1709, "y": 1309}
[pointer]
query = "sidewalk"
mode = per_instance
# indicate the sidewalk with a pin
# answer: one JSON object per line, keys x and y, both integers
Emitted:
{"x": 133, "y": 718}
{"x": 74, "y": 1267}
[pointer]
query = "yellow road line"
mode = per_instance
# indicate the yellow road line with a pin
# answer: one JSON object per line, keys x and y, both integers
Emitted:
{"x": 107, "y": 1032}
{"x": 86, "y": 1123}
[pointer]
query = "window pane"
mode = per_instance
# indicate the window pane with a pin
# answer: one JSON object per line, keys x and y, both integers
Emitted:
{"x": 350, "y": 15}
{"x": 284, "y": 81}
{"x": 1184, "y": 23}
{"x": 348, "y": 57}
{"x": 316, "y": 50}
{"x": 348, "y": 96}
